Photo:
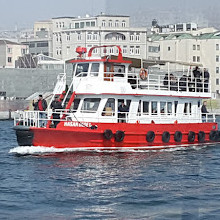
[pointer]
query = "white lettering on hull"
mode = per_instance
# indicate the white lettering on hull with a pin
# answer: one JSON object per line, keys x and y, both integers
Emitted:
{"x": 77, "y": 124}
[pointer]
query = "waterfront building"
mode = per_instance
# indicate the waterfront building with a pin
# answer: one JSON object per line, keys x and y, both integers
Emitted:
{"x": 9, "y": 53}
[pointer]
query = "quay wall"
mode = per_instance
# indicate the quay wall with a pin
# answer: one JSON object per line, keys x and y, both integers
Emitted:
{"x": 22, "y": 83}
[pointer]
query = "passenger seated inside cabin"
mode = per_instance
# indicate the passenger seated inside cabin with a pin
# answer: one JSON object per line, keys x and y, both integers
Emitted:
{"x": 122, "y": 109}
{"x": 173, "y": 83}
{"x": 182, "y": 83}
{"x": 119, "y": 74}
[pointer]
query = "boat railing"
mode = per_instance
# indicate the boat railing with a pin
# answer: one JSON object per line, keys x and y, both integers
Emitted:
{"x": 180, "y": 83}
{"x": 45, "y": 118}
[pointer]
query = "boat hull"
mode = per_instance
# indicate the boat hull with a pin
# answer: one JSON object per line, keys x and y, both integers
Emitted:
{"x": 124, "y": 135}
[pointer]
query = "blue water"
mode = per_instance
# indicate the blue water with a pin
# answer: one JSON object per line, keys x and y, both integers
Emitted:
{"x": 181, "y": 184}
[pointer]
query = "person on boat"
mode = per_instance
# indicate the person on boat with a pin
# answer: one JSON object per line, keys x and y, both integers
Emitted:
{"x": 182, "y": 83}
{"x": 173, "y": 82}
{"x": 122, "y": 109}
{"x": 119, "y": 74}
{"x": 206, "y": 76}
{"x": 204, "y": 111}
{"x": 197, "y": 74}
{"x": 56, "y": 105}
{"x": 40, "y": 105}
{"x": 165, "y": 80}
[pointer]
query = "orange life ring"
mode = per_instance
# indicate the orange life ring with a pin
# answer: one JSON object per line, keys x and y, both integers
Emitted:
{"x": 143, "y": 74}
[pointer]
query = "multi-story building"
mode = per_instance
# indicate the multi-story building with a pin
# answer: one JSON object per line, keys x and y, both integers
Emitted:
{"x": 9, "y": 53}
{"x": 196, "y": 46}
{"x": 69, "y": 33}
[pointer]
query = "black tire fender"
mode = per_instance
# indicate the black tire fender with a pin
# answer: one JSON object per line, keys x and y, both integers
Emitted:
{"x": 166, "y": 137}
{"x": 150, "y": 136}
{"x": 201, "y": 136}
{"x": 178, "y": 136}
{"x": 191, "y": 136}
{"x": 213, "y": 135}
{"x": 119, "y": 136}
{"x": 108, "y": 134}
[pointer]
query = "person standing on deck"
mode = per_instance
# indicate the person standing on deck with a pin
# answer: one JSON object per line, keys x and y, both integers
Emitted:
{"x": 56, "y": 105}
{"x": 40, "y": 105}
{"x": 204, "y": 111}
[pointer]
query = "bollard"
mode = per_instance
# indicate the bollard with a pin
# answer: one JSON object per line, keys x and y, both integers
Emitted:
{"x": 9, "y": 114}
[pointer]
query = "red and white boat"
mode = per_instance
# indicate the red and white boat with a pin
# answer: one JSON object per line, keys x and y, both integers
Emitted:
{"x": 159, "y": 114}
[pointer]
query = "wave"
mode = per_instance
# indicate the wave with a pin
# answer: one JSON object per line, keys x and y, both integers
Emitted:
{"x": 38, "y": 150}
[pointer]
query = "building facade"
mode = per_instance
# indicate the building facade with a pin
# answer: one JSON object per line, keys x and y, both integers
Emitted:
{"x": 9, "y": 53}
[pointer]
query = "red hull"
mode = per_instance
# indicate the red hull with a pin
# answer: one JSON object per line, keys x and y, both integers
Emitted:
{"x": 135, "y": 136}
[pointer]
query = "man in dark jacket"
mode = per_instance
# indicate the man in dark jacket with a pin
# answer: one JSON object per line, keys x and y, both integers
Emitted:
{"x": 56, "y": 105}
{"x": 123, "y": 109}
{"x": 204, "y": 111}
{"x": 40, "y": 105}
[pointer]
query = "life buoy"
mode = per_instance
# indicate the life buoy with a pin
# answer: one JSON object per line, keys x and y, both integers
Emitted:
{"x": 108, "y": 134}
{"x": 119, "y": 136}
{"x": 178, "y": 136}
{"x": 201, "y": 136}
{"x": 150, "y": 136}
{"x": 191, "y": 136}
{"x": 166, "y": 137}
{"x": 213, "y": 135}
{"x": 143, "y": 74}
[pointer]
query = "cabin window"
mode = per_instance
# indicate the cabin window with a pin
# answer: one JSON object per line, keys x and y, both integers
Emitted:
{"x": 75, "y": 105}
{"x": 169, "y": 107}
{"x": 95, "y": 69}
{"x": 90, "y": 105}
{"x": 146, "y": 107}
{"x": 175, "y": 106}
{"x": 198, "y": 104}
{"x": 154, "y": 108}
{"x": 186, "y": 108}
{"x": 139, "y": 108}
{"x": 190, "y": 108}
{"x": 82, "y": 69}
{"x": 109, "y": 109}
{"x": 162, "y": 107}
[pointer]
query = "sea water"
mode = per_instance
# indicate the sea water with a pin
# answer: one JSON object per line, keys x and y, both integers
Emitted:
{"x": 60, "y": 184}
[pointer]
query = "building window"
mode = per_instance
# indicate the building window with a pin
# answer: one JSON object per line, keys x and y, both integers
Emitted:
{"x": 110, "y": 23}
{"x": 111, "y": 50}
{"x": 76, "y": 25}
{"x": 93, "y": 24}
{"x": 9, "y": 60}
{"x": 57, "y": 24}
{"x": 123, "y": 23}
{"x": 68, "y": 37}
{"x": 9, "y": 50}
{"x": 131, "y": 37}
{"x": 42, "y": 44}
{"x": 198, "y": 59}
{"x": 217, "y": 81}
{"x": 116, "y": 23}
{"x": 194, "y": 47}
{"x": 67, "y": 50}
{"x": 103, "y": 23}
{"x": 137, "y": 37}
{"x": 87, "y": 24}
{"x": 217, "y": 46}
{"x": 137, "y": 50}
{"x": 217, "y": 58}
{"x": 132, "y": 50}
{"x": 198, "y": 47}
{"x": 82, "y": 24}
{"x": 95, "y": 36}
{"x": 194, "y": 58}
{"x": 153, "y": 49}
{"x": 217, "y": 91}
{"x": 217, "y": 69}
{"x": 89, "y": 36}
{"x": 168, "y": 48}
{"x": 79, "y": 36}
{"x": 124, "y": 50}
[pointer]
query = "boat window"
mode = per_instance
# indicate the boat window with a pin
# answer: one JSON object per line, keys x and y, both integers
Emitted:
{"x": 162, "y": 107}
{"x": 74, "y": 66}
{"x": 119, "y": 70}
{"x": 198, "y": 104}
{"x": 95, "y": 69}
{"x": 75, "y": 105}
{"x": 109, "y": 109}
{"x": 90, "y": 105}
{"x": 146, "y": 107}
{"x": 82, "y": 69}
{"x": 176, "y": 104}
{"x": 190, "y": 108}
{"x": 154, "y": 108}
{"x": 185, "y": 108}
{"x": 169, "y": 107}
{"x": 139, "y": 108}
